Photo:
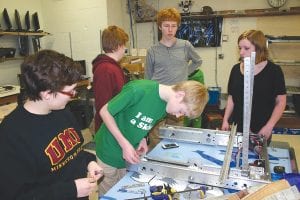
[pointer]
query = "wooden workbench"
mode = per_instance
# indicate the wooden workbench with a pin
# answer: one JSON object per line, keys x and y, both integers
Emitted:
{"x": 10, "y": 96}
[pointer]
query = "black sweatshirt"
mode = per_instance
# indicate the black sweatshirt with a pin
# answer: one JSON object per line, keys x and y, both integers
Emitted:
{"x": 41, "y": 156}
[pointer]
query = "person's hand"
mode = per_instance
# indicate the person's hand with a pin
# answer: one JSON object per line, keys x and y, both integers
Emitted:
{"x": 94, "y": 171}
{"x": 85, "y": 186}
{"x": 266, "y": 131}
{"x": 225, "y": 126}
{"x": 142, "y": 148}
{"x": 129, "y": 154}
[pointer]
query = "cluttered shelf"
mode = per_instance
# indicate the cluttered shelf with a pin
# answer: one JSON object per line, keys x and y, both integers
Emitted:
{"x": 24, "y": 33}
{"x": 209, "y": 13}
{"x": 9, "y": 94}
{"x": 290, "y": 121}
{"x": 3, "y": 59}
{"x": 7, "y": 54}
{"x": 285, "y": 63}
{"x": 133, "y": 66}
{"x": 293, "y": 90}
{"x": 280, "y": 50}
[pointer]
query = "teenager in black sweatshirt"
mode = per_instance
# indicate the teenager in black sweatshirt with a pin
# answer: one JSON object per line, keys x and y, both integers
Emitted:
{"x": 40, "y": 142}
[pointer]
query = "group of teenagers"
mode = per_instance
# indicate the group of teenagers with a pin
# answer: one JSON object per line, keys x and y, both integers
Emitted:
{"x": 41, "y": 145}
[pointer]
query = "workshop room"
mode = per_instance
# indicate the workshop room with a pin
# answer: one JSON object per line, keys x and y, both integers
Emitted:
{"x": 150, "y": 99}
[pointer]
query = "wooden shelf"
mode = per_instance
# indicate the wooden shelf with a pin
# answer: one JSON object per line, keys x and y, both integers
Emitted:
{"x": 10, "y": 96}
{"x": 288, "y": 63}
{"x": 3, "y": 59}
{"x": 239, "y": 13}
{"x": 23, "y": 33}
{"x": 283, "y": 41}
{"x": 250, "y": 13}
{"x": 84, "y": 83}
{"x": 293, "y": 89}
{"x": 36, "y": 34}
{"x": 9, "y": 99}
{"x": 288, "y": 122}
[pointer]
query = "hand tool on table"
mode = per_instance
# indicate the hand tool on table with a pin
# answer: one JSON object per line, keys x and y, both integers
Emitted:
{"x": 166, "y": 192}
{"x": 162, "y": 192}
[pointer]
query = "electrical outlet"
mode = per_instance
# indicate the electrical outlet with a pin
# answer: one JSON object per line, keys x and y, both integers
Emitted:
{"x": 221, "y": 56}
{"x": 225, "y": 38}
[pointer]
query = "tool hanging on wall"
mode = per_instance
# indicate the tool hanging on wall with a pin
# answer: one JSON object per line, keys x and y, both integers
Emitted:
{"x": 7, "y": 20}
{"x": 36, "y": 26}
{"x": 36, "y": 44}
{"x": 186, "y": 6}
{"x": 23, "y": 40}
{"x": 141, "y": 10}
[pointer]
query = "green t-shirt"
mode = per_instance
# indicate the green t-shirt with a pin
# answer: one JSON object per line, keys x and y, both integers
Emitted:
{"x": 136, "y": 109}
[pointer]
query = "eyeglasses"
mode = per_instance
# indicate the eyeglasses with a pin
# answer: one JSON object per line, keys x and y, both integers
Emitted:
{"x": 71, "y": 94}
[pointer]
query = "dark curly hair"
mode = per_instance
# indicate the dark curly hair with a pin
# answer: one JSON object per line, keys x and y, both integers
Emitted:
{"x": 48, "y": 70}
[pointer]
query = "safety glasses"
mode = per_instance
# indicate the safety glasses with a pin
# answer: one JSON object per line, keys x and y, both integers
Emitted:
{"x": 71, "y": 94}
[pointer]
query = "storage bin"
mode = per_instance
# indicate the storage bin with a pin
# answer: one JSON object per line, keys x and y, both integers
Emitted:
{"x": 214, "y": 95}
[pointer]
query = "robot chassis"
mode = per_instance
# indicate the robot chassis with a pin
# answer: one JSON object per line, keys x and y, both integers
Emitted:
{"x": 238, "y": 178}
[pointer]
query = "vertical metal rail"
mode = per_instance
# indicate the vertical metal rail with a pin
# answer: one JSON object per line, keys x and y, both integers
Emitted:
{"x": 100, "y": 42}
{"x": 70, "y": 43}
{"x": 227, "y": 158}
{"x": 249, "y": 63}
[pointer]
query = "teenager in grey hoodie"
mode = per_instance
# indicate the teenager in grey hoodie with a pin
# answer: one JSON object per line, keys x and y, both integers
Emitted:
{"x": 172, "y": 59}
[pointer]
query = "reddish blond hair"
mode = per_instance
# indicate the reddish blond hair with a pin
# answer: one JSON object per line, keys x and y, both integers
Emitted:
{"x": 112, "y": 38}
{"x": 168, "y": 14}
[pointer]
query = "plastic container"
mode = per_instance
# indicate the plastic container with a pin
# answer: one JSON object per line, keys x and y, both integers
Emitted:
{"x": 214, "y": 95}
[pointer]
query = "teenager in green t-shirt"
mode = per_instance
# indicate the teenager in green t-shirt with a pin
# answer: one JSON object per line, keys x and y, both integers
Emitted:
{"x": 130, "y": 115}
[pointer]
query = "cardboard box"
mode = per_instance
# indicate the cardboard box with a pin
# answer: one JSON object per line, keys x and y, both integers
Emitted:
{"x": 134, "y": 68}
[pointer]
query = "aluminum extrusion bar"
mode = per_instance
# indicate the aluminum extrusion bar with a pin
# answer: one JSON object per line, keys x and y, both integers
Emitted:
{"x": 198, "y": 135}
{"x": 166, "y": 161}
{"x": 235, "y": 180}
{"x": 226, "y": 164}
